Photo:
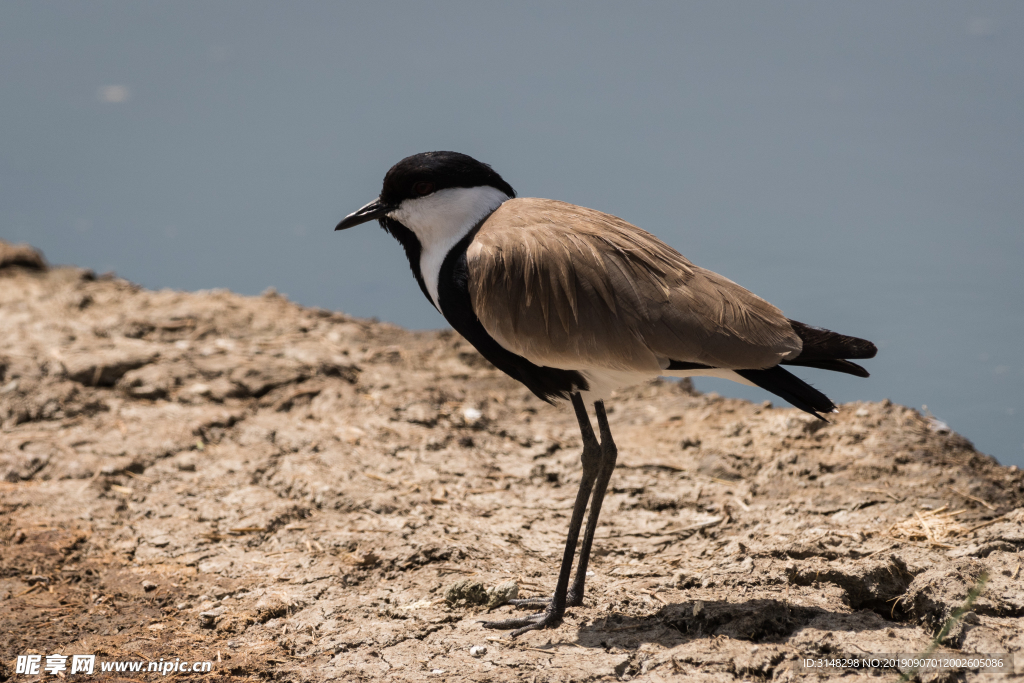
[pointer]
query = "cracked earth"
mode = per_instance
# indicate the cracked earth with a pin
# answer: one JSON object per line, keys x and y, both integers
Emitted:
{"x": 298, "y": 495}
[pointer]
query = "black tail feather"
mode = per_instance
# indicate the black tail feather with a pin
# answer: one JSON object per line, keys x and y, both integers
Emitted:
{"x": 822, "y": 349}
{"x": 822, "y": 344}
{"x": 836, "y": 364}
{"x": 788, "y": 386}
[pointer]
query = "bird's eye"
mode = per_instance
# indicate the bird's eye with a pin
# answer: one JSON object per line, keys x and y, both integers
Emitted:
{"x": 422, "y": 188}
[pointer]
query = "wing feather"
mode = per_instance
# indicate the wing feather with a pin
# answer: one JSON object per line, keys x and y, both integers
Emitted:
{"x": 569, "y": 287}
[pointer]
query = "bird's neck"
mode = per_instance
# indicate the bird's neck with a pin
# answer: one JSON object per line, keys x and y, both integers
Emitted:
{"x": 440, "y": 220}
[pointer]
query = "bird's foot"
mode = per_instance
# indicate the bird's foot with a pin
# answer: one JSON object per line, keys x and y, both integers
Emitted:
{"x": 533, "y": 622}
{"x": 571, "y": 600}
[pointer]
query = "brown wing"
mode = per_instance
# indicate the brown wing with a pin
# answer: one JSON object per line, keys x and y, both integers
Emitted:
{"x": 569, "y": 287}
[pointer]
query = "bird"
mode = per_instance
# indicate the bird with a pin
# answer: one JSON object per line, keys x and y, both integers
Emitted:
{"x": 576, "y": 304}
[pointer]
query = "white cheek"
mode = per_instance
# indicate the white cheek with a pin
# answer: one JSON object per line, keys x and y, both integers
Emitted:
{"x": 440, "y": 220}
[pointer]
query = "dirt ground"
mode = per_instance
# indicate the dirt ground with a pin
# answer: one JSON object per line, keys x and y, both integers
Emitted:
{"x": 293, "y": 494}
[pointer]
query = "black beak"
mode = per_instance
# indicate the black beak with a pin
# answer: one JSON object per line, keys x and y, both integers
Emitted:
{"x": 369, "y": 212}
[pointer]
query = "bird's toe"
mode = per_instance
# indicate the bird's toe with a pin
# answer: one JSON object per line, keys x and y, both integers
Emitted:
{"x": 521, "y": 625}
{"x": 530, "y": 602}
{"x": 571, "y": 600}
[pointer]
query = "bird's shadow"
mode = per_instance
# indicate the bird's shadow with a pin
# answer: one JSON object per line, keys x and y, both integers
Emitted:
{"x": 756, "y": 620}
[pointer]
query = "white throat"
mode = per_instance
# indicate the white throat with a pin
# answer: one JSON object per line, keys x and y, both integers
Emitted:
{"x": 440, "y": 220}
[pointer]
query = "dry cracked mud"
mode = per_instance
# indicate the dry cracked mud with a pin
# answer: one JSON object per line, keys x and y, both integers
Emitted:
{"x": 293, "y": 494}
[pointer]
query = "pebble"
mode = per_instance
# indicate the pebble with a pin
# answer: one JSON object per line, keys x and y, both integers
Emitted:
{"x": 477, "y": 651}
{"x": 682, "y": 579}
{"x": 472, "y": 592}
{"x": 207, "y": 619}
{"x": 501, "y": 594}
{"x": 149, "y": 586}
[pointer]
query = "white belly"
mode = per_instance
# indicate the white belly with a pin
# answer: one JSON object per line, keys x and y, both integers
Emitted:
{"x": 604, "y": 382}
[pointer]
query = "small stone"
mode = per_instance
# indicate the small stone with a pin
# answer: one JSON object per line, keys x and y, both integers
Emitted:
{"x": 468, "y": 591}
{"x": 186, "y": 461}
{"x": 501, "y": 594}
{"x": 477, "y": 651}
{"x": 182, "y": 606}
{"x": 271, "y": 606}
{"x": 20, "y": 255}
{"x": 149, "y": 586}
{"x": 683, "y": 579}
{"x": 33, "y": 580}
{"x": 208, "y": 619}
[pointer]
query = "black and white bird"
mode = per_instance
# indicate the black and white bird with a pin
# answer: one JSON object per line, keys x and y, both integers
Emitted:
{"x": 575, "y": 303}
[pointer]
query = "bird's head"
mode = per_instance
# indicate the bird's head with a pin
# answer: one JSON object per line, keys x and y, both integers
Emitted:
{"x": 432, "y": 192}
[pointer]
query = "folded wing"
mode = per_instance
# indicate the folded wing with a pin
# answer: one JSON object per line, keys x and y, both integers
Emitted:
{"x": 569, "y": 287}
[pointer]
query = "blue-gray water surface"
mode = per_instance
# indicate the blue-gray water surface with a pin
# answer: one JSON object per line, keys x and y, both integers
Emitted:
{"x": 859, "y": 164}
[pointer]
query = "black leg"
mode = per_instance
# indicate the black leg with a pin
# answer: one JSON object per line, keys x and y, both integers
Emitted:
{"x": 609, "y": 453}
{"x": 591, "y": 460}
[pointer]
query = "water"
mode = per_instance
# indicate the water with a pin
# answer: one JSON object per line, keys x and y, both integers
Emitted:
{"x": 858, "y": 164}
